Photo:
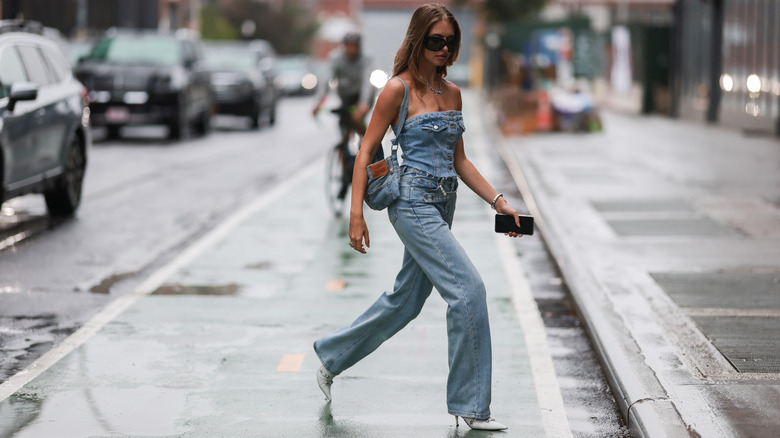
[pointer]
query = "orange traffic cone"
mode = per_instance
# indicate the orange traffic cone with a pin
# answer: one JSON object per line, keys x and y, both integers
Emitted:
{"x": 544, "y": 120}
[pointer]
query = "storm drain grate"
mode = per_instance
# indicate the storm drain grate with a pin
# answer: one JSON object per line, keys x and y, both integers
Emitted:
{"x": 657, "y": 217}
{"x": 750, "y": 344}
{"x": 731, "y": 290}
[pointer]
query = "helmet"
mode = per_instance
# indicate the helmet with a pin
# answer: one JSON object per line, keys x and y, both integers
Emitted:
{"x": 352, "y": 38}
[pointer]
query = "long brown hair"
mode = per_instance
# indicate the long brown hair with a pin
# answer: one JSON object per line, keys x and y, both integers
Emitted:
{"x": 408, "y": 54}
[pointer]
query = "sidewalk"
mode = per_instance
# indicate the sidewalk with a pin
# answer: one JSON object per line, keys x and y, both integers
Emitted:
{"x": 218, "y": 342}
{"x": 668, "y": 235}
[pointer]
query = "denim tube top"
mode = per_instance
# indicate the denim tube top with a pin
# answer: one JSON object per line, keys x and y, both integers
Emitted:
{"x": 428, "y": 142}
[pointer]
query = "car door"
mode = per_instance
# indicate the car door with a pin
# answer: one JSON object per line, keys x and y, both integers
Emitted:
{"x": 17, "y": 130}
{"x": 69, "y": 96}
{"x": 49, "y": 125}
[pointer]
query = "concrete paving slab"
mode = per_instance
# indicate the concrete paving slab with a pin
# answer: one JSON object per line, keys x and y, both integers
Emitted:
{"x": 606, "y": 204}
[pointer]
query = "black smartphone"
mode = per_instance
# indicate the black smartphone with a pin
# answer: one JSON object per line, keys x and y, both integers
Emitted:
{"x": 506, "y": 224}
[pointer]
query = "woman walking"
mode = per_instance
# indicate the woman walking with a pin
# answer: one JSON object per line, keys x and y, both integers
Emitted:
{"x": 425, "y": 110}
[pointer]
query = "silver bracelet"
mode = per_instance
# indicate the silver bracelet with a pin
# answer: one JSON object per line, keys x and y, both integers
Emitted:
{"x": 493, "y": 204}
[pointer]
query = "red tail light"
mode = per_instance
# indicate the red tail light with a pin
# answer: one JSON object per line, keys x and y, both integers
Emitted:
{"x": 85, "y": 96}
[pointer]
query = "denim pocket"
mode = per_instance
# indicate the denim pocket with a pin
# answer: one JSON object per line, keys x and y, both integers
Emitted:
{"x": 434, "y": 197}
{"x": 424, "y": 183}
{"x": 434, "y": 126}
{"x": 384, "y": 190}
{"x": 392, "y": 212}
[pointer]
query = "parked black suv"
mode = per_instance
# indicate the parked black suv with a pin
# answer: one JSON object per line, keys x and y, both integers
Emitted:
{"x": 145, "y": 78}
{"x": 239, "y": 81}
{"x": 44, "y": 135}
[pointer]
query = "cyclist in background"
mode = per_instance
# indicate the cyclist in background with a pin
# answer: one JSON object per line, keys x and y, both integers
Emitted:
{"x": 351, "y": 72}
{"x": 350, "y": 69}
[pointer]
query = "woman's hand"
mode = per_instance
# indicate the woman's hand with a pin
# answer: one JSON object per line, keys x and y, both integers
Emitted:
{"x": 358, "y": 231}
{"x": 503, "y": 207}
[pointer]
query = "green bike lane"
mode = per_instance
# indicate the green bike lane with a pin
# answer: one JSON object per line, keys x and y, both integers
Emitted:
{"x": 218, "y": 342}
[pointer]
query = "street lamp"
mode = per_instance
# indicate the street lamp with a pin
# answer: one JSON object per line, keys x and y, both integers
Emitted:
{"x": 754, "y": 83}
{"x": 754, "y": 87}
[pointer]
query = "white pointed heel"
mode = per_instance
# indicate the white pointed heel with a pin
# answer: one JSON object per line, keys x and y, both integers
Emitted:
{"x": 324, "y": 380}
{"x": 488, "y": 424}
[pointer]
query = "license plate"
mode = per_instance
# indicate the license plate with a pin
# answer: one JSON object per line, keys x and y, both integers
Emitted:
{"x": 117, "y": 114}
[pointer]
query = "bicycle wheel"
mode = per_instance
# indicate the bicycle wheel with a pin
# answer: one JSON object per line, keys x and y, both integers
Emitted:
{"x": 334, "y": 180}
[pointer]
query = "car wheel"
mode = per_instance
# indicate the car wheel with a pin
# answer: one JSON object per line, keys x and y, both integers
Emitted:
{"x": 272, "y": 115}
{"x": 204, "y": 123}
{"x": 64, "y": 198}
{"x": 1, "y": 178}
{"x": 254, "y": 116}
{"x": 178, "y": 129}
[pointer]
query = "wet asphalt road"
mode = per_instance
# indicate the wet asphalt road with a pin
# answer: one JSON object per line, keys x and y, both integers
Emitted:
{"x": 144, "y": 199}
{"x": 147, "y": 198}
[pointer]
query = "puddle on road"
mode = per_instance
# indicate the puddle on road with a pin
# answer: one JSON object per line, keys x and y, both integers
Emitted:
{"x": 178, "y": 289}
{"x": 25, "y": 338}
{"x": 26, "y": 217}
{"x": 20, "y": 410}
{"x": 11, "y": 234}
{"x": 105, "y": 286}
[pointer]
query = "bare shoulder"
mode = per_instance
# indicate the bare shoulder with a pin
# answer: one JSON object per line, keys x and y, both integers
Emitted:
{"x": 455, "y": 92}
{"x": 389, "y": 101}
{"x": 451, "y": 86}
{"x": 392, "y": 93}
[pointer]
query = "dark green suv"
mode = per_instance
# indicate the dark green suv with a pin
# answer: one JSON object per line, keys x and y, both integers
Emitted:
{"x": 44, "y": 119}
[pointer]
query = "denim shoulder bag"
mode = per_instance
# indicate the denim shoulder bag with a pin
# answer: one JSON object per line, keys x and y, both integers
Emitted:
{"x": 384, "y": 177}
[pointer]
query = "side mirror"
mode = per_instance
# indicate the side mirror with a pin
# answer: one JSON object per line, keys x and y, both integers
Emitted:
{"x": 21, "y": 91}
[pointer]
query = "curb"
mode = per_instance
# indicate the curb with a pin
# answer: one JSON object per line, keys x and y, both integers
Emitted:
{"x": 642, "y": 399}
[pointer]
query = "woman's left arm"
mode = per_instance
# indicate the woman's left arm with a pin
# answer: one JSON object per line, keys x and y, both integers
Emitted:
{"x": 469, "y": 174}
{"x": 476, "y": 182}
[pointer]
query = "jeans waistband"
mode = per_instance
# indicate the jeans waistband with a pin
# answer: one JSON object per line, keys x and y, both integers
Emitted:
{"x": 449, "y": 183}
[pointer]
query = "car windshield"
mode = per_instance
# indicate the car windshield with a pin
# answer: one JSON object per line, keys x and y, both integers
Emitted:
{"x": 292, "y": 64}
{"x": 152, "y": 50}
{"x": 221, "y": 58}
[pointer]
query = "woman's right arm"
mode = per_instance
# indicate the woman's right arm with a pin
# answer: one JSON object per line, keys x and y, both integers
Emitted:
{"x": 385, "y": 113}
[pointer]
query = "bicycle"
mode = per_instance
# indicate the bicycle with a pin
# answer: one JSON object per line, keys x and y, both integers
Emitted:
{"x": 341, "y": 160}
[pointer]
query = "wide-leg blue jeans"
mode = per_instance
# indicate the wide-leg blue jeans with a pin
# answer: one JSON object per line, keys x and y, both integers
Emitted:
{"x": 422, "y": 217}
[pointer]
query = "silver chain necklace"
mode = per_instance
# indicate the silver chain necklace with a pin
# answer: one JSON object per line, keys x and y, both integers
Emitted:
{"x": 440, "y": 92}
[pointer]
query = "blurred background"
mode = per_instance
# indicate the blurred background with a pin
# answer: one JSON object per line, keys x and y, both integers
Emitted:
{"x": 547, "y": 64}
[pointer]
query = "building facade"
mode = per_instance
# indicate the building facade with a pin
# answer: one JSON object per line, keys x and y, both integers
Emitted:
{"x": 730, "y": 63}
{"x": 82, "y": 17}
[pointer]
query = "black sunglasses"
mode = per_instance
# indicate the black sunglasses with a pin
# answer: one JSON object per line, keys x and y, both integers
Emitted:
{"x": 436, "y": 43}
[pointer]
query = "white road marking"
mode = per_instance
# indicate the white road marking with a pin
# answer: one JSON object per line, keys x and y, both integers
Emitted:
{"x": 548, "y": 393}
{"x": 116, "y": 307}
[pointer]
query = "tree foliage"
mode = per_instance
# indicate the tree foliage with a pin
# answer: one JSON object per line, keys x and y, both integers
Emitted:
{"x": 288, "y": 27}
{"x": 214, "y": 26}
{"x": 506, "y": 10}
